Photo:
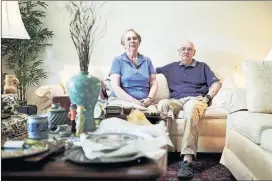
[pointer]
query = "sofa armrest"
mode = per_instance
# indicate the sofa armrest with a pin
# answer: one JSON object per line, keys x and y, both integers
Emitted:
{"x": 236, "y": 100}
{"x": 43, "y": 96}
{"x": 219, "y": 100}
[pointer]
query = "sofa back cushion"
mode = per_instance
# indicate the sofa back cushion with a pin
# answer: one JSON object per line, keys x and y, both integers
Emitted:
{"x": 259, "y": 85}
{"x": 163, "y": 91}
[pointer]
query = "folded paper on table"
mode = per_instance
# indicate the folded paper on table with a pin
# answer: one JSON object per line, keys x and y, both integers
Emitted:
{"x": 116, "y": 125}
{"x": 154, "y": 137}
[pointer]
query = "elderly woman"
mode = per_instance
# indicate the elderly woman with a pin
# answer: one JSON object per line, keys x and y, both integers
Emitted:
{"x": 132, "y": 75}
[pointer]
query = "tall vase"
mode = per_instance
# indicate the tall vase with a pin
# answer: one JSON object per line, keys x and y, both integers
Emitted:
{"x": 83, "y": 90}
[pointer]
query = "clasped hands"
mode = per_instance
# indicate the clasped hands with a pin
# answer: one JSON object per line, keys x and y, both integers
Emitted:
{"x": 144, "y": 102}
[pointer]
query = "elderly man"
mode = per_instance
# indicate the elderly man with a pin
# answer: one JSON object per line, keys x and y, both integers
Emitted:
{"x": 192, "y": 86}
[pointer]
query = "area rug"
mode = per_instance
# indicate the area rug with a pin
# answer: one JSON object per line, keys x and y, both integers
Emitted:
{"x": 206, "y": 168}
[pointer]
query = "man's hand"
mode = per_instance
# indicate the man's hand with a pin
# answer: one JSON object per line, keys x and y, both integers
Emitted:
{"x": 203, "y": 99}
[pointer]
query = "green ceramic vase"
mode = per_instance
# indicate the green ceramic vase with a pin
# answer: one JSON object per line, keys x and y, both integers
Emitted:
{"x": 83, "y": 89}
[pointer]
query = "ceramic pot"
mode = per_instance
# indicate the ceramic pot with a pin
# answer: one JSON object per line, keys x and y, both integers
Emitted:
{"x": 57, "y": 115}
{"x": 11, "y": 83}
{"x": 37, "y": 127}
{"x": 83, "y": 90}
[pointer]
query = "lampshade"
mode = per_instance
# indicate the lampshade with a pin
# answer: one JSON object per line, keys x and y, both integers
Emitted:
{"x": 269, "y": 56}
{"x": 12, "y": 24}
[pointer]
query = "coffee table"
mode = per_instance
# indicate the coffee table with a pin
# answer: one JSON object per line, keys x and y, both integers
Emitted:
{"x": 54, "y": 168}
{"x": 57, "y": 169}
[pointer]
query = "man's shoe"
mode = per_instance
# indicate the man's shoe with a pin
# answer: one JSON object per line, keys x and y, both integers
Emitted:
{"x": 185, "y": 170}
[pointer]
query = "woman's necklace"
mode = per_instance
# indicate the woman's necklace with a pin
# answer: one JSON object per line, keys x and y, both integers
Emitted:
{"x": 135, "y": 61}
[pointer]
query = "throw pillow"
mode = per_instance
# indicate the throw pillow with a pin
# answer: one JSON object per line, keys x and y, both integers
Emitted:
{"x": 9, "y": 103}
{"x": 258, "y": 85}
{"x": 163, "y": 90}
{"x": 106, "y": 88}
{"x": 236, "y": 100}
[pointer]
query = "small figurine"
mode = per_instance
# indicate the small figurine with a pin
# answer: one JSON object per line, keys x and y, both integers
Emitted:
{"x": 72, "y": 117}
{"x": 80, "y": 120}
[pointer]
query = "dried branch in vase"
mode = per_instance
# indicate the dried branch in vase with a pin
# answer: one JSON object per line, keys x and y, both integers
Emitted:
{"x": 86, "y": 28}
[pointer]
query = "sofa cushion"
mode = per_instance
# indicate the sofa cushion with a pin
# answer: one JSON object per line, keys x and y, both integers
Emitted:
{"x": 162, "y": 93}
{"x": 220, "y": 97}
{"x": 259, "y": 85}
{"x": 251, "y": 124}
{"x": 212, "y": 112}
{"x": 236, "y": 100}
{"x": 215, "y": 112}
{"x": 207, "y": 127}
{"x": 163, "y": 90}
{"x": 43, "y": 96}
{"x": 266, "y": 140}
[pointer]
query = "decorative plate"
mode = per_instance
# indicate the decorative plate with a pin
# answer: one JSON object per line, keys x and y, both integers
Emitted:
{"x": 27, "y": 150}
{"x": 76, "y": 155}
{"x": 113, "y": 140}
{"x": 98, "y": 111}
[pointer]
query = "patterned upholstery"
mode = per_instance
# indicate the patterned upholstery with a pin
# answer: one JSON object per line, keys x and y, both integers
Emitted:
{"x": 16, "y": 124}
{"x": 8, "y": 103}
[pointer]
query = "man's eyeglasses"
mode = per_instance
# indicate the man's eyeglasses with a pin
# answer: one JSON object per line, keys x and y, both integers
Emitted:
{"x": 183, "y": 49}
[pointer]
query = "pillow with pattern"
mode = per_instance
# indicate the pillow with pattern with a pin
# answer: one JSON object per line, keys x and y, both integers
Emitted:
{"x": 9, "y": 103}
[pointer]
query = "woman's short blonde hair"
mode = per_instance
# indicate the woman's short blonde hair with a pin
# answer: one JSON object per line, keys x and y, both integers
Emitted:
{"x": 137, "y": 34}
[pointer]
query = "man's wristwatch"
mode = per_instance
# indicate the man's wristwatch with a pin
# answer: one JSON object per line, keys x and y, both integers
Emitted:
{"x": 209, "y": 97}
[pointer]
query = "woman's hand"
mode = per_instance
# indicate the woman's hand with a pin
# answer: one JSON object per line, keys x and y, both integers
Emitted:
{"x": 137, "y": 102}
{"x": 146, "y": 102}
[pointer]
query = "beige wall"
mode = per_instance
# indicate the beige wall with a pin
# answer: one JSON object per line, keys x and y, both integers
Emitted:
{"x": 225, "y": 33}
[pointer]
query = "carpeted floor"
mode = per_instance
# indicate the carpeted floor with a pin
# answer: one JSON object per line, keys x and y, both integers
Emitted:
{"x": 206, "y": 168}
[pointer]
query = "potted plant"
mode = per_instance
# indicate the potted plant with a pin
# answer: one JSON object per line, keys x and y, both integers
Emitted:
{"x": 86, "y": 28}
{"x": 22, "y": 56}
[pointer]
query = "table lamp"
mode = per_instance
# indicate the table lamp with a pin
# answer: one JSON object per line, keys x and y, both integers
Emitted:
{"x": 12, "y": 25}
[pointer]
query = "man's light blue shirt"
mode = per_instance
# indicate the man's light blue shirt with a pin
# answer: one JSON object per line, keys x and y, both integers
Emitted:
{"x": 135, "y": 79}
